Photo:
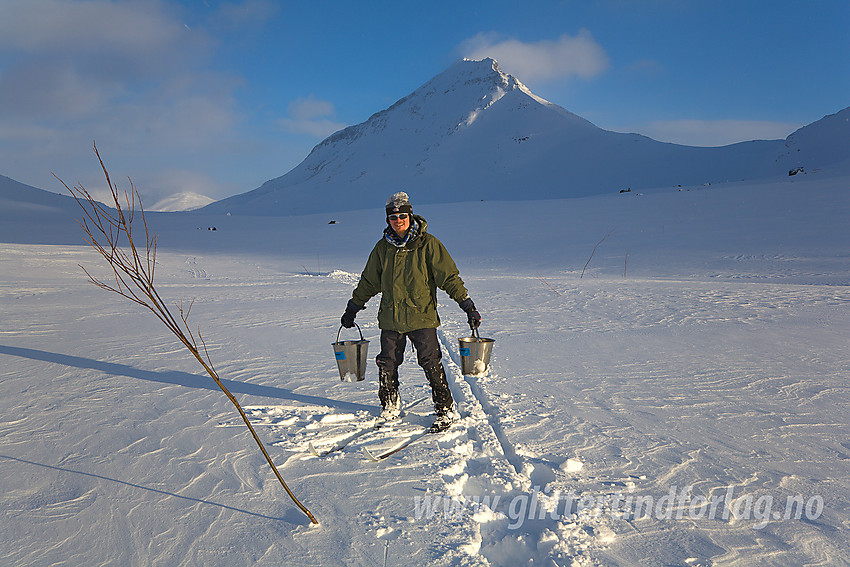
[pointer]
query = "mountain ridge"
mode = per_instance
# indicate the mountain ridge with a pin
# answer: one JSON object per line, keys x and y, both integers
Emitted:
{"x": 474, "y": 132}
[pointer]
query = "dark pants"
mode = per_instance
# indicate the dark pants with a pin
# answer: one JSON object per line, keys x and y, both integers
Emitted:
{"x": 393, "y": 343}
{"x": 428, "y": 356}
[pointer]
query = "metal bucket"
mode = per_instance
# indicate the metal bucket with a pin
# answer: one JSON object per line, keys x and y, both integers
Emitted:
{"x": 351, "y": 357}
{"x": 475, "y": 354}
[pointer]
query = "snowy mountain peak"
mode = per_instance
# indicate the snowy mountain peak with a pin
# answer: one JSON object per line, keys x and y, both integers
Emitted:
{"x": 488, "y": 69}
{"x": 183, "y": 201}
{"x": 455, "y": 135}
{"x": 467, "y": 73}
{"x": 451, "y": 100}
{"x": 480, "y": 84}
{"x": 474, "y": 132}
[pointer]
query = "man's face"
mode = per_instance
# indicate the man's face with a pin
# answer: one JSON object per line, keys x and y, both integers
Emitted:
{"x": 400, "y": 223}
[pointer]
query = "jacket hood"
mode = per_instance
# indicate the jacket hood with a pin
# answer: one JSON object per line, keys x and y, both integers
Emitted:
{"x": 423, "y": 224}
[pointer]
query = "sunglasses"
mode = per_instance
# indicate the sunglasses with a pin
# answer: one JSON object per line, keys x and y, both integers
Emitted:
{"x": 400, "y": 216}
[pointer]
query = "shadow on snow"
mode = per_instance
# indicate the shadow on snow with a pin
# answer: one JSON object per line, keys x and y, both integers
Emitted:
{"x": 178, "y": 378}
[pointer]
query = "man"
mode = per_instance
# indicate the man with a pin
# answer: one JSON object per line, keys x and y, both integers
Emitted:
{"x": 407, "y": 266}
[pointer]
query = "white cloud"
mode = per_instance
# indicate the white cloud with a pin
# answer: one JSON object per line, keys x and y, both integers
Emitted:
{"x": 128, "y": 74}
{"x": 715, "y": 132}
{"x": 48, "y": 90}
{"x": 98, "y": 36}
{"x": 310, "y": 108}
{"x": 566, "y": 57}
{"x": 312, "y": 117}
{"x": 63, "y": 60}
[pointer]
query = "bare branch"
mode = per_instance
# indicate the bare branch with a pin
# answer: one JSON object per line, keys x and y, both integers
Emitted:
{"x": 103, "y": 229}
{"x": 594, "y": 252}
{"x": 547, "y": 283}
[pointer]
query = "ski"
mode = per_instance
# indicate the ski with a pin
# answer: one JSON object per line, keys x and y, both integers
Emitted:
{"x": 403, "y": 445}
{"x": 341, "y": 444}
{"x": 411, "y": 439}
{"x": 374, "y": 425}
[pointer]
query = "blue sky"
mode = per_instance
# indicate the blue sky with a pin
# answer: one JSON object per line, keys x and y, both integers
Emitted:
{"x": 217, "y": 97}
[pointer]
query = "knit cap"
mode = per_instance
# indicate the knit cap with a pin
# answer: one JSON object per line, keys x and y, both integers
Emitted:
{"x": 399, "y": 203}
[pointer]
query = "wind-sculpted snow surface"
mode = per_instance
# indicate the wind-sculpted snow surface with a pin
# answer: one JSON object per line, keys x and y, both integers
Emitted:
{"x": 684, "y": 403}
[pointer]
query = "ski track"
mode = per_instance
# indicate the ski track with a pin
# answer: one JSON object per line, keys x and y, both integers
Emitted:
{"x": 489, "y": 466}
{"x": 478, "y": 484}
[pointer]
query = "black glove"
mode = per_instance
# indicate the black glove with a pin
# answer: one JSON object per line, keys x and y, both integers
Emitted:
{"x": 347, "y": 319}
{"x": 472, "y": 313}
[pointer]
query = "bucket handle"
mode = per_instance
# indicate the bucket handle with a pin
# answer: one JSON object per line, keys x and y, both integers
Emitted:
{"x": 340, "y": 330}
{"x": 475, "y": 334}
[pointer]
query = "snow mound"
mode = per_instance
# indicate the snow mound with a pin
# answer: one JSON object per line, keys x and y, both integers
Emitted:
{"x": 185, "y": 201}
{"x": 345, "y": 277}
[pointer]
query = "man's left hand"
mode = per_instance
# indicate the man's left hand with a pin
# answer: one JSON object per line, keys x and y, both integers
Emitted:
{"x": 472, "y": 313}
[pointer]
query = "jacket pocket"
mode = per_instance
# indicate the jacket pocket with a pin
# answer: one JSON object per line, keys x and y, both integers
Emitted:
{"x": 419, "y": 300}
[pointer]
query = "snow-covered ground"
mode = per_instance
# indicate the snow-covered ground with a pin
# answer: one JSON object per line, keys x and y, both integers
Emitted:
{"x": 663, "y": 409}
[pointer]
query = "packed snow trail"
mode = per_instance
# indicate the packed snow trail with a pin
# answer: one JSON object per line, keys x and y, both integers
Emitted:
{"x": 502, "y": 508}
{"x": 518, "y": 519}
{"x": 483, "y": 400}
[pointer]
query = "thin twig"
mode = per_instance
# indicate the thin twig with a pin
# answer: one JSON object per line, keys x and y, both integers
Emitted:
{"x": 547, "y": 284}
{"x": 594, "y": 252}
{"x": 104, "y": 229}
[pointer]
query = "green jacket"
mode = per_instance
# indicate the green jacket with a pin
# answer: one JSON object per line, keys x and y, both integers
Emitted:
{"x": 408, "y": 278}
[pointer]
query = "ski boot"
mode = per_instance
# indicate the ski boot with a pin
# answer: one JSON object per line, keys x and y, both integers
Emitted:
{"x": 442, "y": 397}
{"x": 388, "y": 394}
{"x": 444, "y": 420}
